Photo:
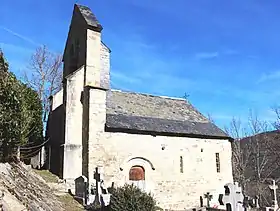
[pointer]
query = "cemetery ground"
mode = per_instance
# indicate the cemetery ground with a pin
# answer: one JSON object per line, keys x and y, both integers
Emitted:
{"x": 53, "y": 181}
{"x": 35, "y": 189}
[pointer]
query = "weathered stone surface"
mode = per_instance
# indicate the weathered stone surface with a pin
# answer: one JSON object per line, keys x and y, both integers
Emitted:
{"x": 145, "y": 105}
{"x": 116, "y": 151}
{"x": 89, "y": 17}
{"x": 73, "y": 139}
{"x": 105, "y": 67}
{"x": 178, "y": 170}
{"x": 27, "y": 189}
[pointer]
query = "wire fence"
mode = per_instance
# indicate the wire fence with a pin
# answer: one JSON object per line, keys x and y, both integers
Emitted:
{"x": 27, "y": 152}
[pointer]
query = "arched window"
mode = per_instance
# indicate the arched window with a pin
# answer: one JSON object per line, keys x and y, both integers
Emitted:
{"x": 137, "y": 173}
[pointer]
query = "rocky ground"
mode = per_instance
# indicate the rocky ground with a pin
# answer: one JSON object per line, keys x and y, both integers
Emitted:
{"x": 33, "y": 190}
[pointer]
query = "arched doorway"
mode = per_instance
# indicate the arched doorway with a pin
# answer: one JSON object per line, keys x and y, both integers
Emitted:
{"x": 137, "y": 176}
{"x": 136, "y": 173}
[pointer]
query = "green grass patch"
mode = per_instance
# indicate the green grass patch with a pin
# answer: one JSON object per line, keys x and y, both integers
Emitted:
{"x": 46, "y": 175}
{"x": 70, "y": 204}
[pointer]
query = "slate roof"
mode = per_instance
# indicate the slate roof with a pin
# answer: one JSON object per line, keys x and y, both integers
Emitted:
{"x": 156, "y": 114}
{"x": 89, "y": 17}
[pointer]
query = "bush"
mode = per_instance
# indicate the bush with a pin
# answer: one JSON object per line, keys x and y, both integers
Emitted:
{"x": 131, "y": 198}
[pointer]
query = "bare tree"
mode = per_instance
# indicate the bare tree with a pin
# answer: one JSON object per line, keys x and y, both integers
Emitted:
{"x": 240, "y": 161}
{"x": 255, "y": 156}
{"x": 210, "y": 118}
{"x": 276, "y": 124}
{"x": 44, "y": 74}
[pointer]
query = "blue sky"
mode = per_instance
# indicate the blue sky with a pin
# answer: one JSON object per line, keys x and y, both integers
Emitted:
{"x": 224, "y": 54}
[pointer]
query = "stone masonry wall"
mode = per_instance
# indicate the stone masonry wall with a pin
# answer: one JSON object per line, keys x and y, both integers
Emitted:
{"x": 97, "y": 119}
{"x": 72, "y": 167}
{"x": 118, "y": 152}
{"x": 93, "y": 53}
{"x": 97, "y": 61}
{"x": 105, "y": 67}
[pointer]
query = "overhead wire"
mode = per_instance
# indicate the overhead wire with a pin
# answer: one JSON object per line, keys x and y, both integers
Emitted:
{"x": 33, "y": 147}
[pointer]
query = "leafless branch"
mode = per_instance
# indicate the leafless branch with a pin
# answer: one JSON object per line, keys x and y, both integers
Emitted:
{"x": 255, "y": 155}
{"x": 276, "y": 124}
{"x": 211, "y": 119}
{"x": 44, "y": 74}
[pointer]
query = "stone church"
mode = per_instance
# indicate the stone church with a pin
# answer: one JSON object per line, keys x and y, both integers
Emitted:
{"x": 162, "y": 144}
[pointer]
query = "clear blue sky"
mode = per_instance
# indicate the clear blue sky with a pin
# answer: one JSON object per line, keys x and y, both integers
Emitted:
{"x": 224, "y": 54}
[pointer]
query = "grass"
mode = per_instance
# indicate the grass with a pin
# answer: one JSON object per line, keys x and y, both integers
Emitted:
{"x": 70, "y": 204}
{"x": 46, "y": 175}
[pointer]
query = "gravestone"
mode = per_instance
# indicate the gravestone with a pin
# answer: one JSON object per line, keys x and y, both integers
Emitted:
{"x": 274, "y": 187}
{"x": 81, "y": 189}
{"x": 105, "y": 196}
{"x": 97, "y": 177}
{"x": 99, "y": 195}
{"x": 233, "y": 197}
{"x": 256, "y": 202}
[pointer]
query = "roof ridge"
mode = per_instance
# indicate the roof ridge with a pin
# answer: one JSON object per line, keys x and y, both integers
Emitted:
{"x": 89, "y": 17}
{"x": 150, "y": 95}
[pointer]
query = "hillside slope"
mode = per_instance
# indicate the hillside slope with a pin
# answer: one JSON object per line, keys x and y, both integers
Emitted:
{"x": 25, "y": 189}
{"x": 259, "y": 163}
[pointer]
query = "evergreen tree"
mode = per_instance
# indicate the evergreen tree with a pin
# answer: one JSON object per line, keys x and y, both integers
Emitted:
{"x": 10, "y": 111}
{"x": 20, "y": 113}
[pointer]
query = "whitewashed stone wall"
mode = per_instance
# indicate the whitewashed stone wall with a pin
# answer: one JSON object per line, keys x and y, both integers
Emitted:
{"x": 72, "y": 167}
{"x": 105, "y": 67}
{"x": 173, "y": 189}
{"x": 57, "y": 99}
{"x": 93, "y": 52}
{"x": 97, "y": 119}
{"x": 97, "y": 61}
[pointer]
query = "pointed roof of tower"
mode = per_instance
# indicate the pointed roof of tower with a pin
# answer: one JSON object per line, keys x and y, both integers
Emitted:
{"x": 82, "y": 18}
{"x": 89, "y": 17}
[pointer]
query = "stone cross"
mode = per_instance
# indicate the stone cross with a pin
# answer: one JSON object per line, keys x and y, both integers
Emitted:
{"x": 257, "y": 202}
{"x": 274, "y": 187}
{"x": 97, "y": 178}
{"x": 233, "y": 198}
{"x": 208, "y": 197}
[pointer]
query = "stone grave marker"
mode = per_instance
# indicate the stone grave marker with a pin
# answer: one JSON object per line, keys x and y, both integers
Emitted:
{"x": 274, "y": 187}
{"x": 81, "y": 189}
{"x": 233, "y": 197}
{"x": 97, "y": 178}
{"x": 99, "y": 194}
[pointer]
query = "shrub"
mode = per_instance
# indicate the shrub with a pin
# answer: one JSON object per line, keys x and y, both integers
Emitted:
{"x": 131, "y": 198}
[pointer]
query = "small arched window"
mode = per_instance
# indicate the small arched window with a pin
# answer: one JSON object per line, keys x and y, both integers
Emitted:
{"x": 137, "y": 173}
